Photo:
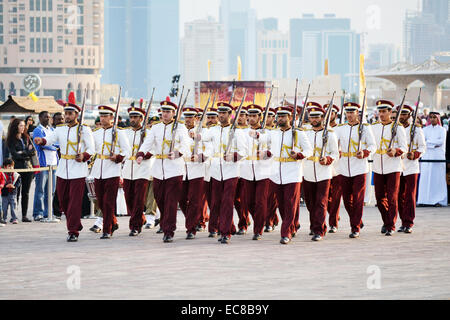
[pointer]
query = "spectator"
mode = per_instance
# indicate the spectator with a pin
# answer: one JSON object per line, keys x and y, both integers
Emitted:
{"x": 9, "y": 192}
{"x": 47, "y": 157}
{"x": 433, "y": 184}
{"x": 21, "y": 149}
{"x": 58, "y": 118}
{"x": 29, "y": 124}
{"x": 2, "y": 185}
{"x": 1, "y": 143}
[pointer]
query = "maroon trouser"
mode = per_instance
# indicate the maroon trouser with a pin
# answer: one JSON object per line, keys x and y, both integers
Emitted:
{"x": 106, "y": 191}
{"x": 135, "y": 195}
{"x": 288, "y": 196}
{"x": 191, "y": 203}
{"x": 167, "y": 195}
{"x": 70, "y": 195}
{"x": 206, "y": 203}
{"x": 334, "y": 202}
{"x": 272, "y": 205}
{"x": 222, "y": 198}
{"x": 386, "y": 192}
{"x": 240, "y": 207}
{"x": 353, "y": 191}
{"x": 407, "y": 199}
{"x": 316, "y": 199}
{"x": 255, "y": 198}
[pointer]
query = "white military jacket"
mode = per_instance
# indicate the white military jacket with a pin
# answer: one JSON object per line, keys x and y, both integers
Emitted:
{"x": 208, "y": 160}
{"x": 348, "y": 137}
{"x": 254, "y": 168}
{"x": 103, "y": 167}
{"x": 194, "y": 170}
{"x": 131, "y": 169}
{"x": 286, "y": 170}
{"x": 67, "y": 137}
{"x": 382, "y": 163}
{"x": 216, "y": 141}
{"x": 419, "y": 145}
{"x": 313, "y": 170}
{"x": 158, "y": 143}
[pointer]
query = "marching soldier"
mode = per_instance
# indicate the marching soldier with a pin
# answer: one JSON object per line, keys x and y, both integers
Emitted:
{"x": 72, "y": 168}
{"x": 211, "y": 121}
{"x": 239, "y": 203}
{"x": 224, "y": 172}
{"x": 335, "y": 193}
{"x": 353, "y": 165}
{"x": 168, "y": 169}
{"x": 287, "y": 171}
{"x": 387, "y": 165}
{"x": 255, "y": 172}
{"x": 193, "y": 195}
{"x": 135, "y": 177}
{"x": 411, "y": 170}
{"x": 107, "y": 167}
{"x": 151, "y": 208}
{"x": 318, "y": 171}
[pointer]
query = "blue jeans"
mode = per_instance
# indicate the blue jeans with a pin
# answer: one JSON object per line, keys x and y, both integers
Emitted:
{"x": 40, "y": 207}
{"x": 9, "y": 201}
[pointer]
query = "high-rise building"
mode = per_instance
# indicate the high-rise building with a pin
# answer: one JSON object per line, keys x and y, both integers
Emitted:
{"x": 239, "y": 22}
{"x": 438, "y": 8}
{"x": 272, "y": 55}
{"x": 268, "y": 24}
{"x": 203, "y": 42}
{"x": 61, "y": 41}
{"x": 141, "y": 45}
{"x": 308, "y": 23}
{"x": 340, "y": 48}
{"x": 381, "y": 55}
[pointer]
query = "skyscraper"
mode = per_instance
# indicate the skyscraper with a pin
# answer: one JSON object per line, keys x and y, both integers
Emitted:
{"x": 141, "y": 45}
{"x": 60, "y": 41}
{"x": 438, "y": 8}
{"x": 203, "y": 41}
{"x": 309, "y": 22}
{"x": 239, "y": 22}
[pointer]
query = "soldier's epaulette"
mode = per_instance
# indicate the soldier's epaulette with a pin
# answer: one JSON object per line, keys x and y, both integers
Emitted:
{"x": 156, "y": 122}
{"x": 299, "y": 129}
{"x": 213, "y": 125}
{"x": 61, "y": 125}
{"x": 341, "y": 125}
{"x": 330, "y": 130}
{"x": 96, "y": 129}
{"x": 242, "y": 127}
{"x": 85, "y": 125}
{"x": 126, "y": 128}
{"x": 366, "y": 124}
{"x": 378, "y": 122}
{"x": 182, "y": 122}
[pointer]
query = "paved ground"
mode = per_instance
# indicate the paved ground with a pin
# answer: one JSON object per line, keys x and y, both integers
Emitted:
{"x": 37, "y": 263}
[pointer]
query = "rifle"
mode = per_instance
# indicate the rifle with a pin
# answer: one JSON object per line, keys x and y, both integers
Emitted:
{"x": 147, "y": 115}
{"x": 232, "y": 93}
{"x": 234, "y": 125}
{"x": 303, "y": 115}
{"x": 115, "y": 124}
{"x": 80, "y": 126}
{"x": 177, "y": 122}
{"x": 414, "y": 123}
{"x": 200, "y": 124}
{"x": 361, "y": 119}
{"x": 397, "y": 121}
{"x": 266, "y": 112}
{"x": 294, "y": 115}
{"x": 341, "y": 117}
{"x": 327, "y": 126}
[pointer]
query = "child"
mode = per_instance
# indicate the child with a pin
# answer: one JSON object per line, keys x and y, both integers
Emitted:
{"x": 9, "y": 192}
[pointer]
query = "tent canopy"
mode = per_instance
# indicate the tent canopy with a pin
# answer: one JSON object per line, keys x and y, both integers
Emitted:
{"x": 27, "y": 105}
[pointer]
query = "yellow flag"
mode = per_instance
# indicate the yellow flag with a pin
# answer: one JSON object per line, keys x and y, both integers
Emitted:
{"x": 209, "y": 70}
{"x": 326, "y": 67}
{"x": 362, "y": 79}
{"x": 33, "y": 97}
{"x": 239, "y": 73}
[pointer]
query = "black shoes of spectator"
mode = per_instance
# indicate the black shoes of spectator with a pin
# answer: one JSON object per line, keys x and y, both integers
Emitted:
{"x": 25, "y": 219}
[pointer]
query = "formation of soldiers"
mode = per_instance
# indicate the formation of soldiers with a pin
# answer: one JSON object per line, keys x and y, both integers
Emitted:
{"x": 242, "y": 158}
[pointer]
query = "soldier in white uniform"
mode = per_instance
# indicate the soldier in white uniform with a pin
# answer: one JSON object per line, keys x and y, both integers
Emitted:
{"x": 107, "y": 167}
{"x": 387, "y": 165}
{"x": 72, "y": 168}
{"x": 168, "y": 169}
{"x": 353, "y": 165}
{"x": 136, "y": 176}
{"x": 287, "y": 169}
{"x": 411, "y": 170}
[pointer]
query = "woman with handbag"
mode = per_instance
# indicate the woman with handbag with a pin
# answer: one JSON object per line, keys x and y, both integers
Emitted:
{"x": 23, "y": 153}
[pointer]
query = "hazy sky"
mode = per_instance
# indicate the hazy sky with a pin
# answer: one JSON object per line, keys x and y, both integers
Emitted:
{"x": 382, "y": 20}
